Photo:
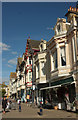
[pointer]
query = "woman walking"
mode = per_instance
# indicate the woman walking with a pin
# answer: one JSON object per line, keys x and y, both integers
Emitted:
{"x": 4, "y": 104}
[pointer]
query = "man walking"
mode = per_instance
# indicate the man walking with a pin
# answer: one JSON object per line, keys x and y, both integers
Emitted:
{"x": 4, "y": 104}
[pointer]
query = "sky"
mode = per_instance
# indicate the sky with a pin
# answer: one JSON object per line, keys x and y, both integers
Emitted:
{"x": 23, "y": 19}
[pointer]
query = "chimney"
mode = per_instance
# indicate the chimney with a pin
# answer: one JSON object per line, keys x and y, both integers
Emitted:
{"x": 70, "y": 8}
{"x": 74, "y": 9}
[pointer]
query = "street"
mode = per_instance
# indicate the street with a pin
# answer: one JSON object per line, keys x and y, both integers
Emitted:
{"x": 29, "y": 112}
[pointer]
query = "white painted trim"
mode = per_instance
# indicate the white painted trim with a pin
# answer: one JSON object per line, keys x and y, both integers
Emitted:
{"x": 63, "y": 74}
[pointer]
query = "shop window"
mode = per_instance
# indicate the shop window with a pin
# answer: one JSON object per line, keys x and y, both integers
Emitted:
{"x": 37, "y": 71}
{"x": 54, "y": 60}
{"x": 63, "y": 56}
{"x": 74, "y": 48}
{"x": 30, "y": 76}
{"x": 42, "y": 69}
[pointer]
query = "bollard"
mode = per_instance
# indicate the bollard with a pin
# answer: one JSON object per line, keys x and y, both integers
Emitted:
{"x": 19, "y": 108}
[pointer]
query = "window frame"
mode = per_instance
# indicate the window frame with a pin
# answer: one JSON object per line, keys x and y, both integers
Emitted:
{"x": 54, "y": 60}
{"x": 74, "y": 48}
{"x": 42, "y": 73}
{"x": 29, "y": 76}
{"x": 64, "y": 56}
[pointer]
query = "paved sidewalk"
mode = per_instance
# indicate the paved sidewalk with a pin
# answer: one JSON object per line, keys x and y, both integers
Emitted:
{"x": 29, "y": 112}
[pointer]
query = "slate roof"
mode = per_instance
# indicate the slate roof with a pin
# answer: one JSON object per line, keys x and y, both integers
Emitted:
{"x": 13, "y": 75}
{"x": 19, "y": 61}
{"x": 33, "y": 43}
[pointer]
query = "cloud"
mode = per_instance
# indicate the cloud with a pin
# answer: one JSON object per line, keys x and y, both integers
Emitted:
{"x": 12, "y": 61}
{"x": 48, "y": 28}
{"x": 4, "y": 47}
{"x": 14, "y": 53}
{"x": 10, "y": 66}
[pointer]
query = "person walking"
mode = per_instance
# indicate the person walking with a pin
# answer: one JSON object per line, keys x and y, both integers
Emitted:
{"x": 20, "y": 105}
{"x": 4, "y": 104}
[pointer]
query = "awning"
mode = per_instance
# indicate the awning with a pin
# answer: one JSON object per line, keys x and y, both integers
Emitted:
{"x": 56, "y": 86}
{"x": 50, "y": 87}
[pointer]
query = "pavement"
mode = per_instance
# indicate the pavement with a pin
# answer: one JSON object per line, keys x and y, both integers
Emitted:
{"x": 29, "y": 112}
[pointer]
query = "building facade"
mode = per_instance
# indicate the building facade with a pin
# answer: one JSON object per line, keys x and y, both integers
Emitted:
{"x": 49, "y": 70}
{"x": 13, "y": 85}
{"x": 63, "y": 52}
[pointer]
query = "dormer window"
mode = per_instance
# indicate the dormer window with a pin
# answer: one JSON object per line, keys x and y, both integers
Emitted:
{"x": 58, "y": 28}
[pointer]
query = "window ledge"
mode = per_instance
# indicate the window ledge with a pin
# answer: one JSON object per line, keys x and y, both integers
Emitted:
{"x": 52, "y": 71}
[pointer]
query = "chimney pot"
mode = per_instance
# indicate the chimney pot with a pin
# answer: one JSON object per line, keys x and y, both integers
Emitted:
{"x": 70, "y": 8}
{"x": 75, "y": 9}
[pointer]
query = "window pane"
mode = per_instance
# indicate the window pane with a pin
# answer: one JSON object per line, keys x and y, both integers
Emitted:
{"x": 42, "y": 68}
{"x": 30, "y": 60}
{"x": 63, "y": 56}
{"x": 29, "y": 75}
{"x": 55, "y": 60}
{"x": 74, "y": 49}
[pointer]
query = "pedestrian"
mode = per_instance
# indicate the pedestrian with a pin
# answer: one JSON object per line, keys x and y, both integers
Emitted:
{"x": 20, "y": 105}
{"x": 4, "y": 104}
{"x": 8, "y": 105}
{"x": 18, "y": 101}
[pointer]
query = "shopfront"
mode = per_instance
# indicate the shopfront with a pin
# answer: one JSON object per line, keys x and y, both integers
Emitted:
{"x": 62, "y": 94}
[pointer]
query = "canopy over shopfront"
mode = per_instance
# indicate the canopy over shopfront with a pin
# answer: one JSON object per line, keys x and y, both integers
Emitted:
{"x": 60, "y": 83}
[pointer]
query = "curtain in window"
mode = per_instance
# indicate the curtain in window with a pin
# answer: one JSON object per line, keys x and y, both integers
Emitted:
{"x": 42, "y": 68}
{"x": 55, "y": 60}
{"x": 37, "y": 71}
{"x": 74, "y": 48}
{"x": 63, "y": 56}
